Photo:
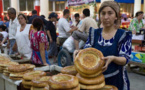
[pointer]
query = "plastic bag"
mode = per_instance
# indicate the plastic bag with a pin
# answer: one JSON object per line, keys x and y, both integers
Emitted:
{"x": 69, "y": 44}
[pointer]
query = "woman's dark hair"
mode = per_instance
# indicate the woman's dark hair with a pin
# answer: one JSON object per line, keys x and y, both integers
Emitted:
{"x": 3, "y": 27}
{"x": 77, "y": 15}
{"x": 23, "y": 17}
{"x": 37, "y": 23}
{"x": 138, "y": 13}
{"x": 86, "y": 12}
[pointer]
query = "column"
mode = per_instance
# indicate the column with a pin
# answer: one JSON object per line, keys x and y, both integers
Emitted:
{"x": 37, "y": 6}
{"x": 137, "y": 6}
{"x": 44, "y": 7}
{"x": 106, "y": 0}
{"x": 53, "y": 6}
{"x": 144, "y": 6}
{"x": 1, "y": 10}
{"x": 15, "y": 4}
{"x": 92, "y": 11}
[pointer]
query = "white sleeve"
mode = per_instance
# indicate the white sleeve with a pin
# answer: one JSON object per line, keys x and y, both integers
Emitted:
{"x": 66, "y": 26}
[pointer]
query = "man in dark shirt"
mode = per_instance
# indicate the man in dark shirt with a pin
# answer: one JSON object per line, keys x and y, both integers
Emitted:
{"x": 34, "y": 15}
{"x": 51, "y": 32}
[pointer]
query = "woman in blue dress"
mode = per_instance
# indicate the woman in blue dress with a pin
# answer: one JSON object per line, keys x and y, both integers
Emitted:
{"x": 115, "y": 44}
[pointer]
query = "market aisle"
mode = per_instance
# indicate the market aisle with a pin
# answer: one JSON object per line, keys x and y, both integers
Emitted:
{"x": 137, "y": 82}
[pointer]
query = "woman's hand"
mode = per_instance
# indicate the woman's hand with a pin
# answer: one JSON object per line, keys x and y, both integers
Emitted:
{"x": 51, "y": 40}
{"x": 107, "y": 60}
{"x": 46, "y": 64}
{"x": 75, "y": 53}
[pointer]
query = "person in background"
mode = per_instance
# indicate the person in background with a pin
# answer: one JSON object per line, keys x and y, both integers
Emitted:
{"x": 42, "y": 16}
{"x": 22, "y": 37}
{"x": 115, "y": 44}
{"x": 3, "y": 33}
{"x": 70, "y": 21}
{"x": 143, "y": 20}
{"x": 13, "y": 24}
{"x": 1, "y": 22}
{"x": 137, "y": 23}
{"x": 83, "y": 31}
{"x": 39, "y": 43}
{"x": 6, "y": 22}
{"x": 34, "y": 15}
{"x": 51, "y": 32}
{"x": 77, "y": 21}
{"x": 64, "y": 27}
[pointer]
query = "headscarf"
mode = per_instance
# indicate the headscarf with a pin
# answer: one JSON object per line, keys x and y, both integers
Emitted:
{"x": 115, "y": 6}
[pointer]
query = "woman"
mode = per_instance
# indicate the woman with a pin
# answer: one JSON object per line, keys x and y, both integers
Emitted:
{"x": 137, "y": 23}
{"x": 22, "y": 37}
{"x": 39, "y": 43}
{"x": 115, "y": 44}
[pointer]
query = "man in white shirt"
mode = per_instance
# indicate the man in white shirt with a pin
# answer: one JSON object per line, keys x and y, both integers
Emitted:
{"x": 64, "y": 27}
{"x": 83, "y": 31}
{"x": 13, "y": 24}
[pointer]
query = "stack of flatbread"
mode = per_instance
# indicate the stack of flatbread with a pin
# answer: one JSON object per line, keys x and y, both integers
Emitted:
{"x": 17, "y": 71}
{"x": 4, "y": 64}
{"x": 28, "y": 77}
{"x": 40, "y": 83}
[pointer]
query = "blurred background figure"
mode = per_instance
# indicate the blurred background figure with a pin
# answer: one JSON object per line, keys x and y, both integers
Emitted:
{"x": 3, "y": 34}
{"x": 39, "y": 43}
{"x": 1, "y": 22}
{"x": 77, "y": 21}
{"x": 137, "y": 23}
{"x": 42, "y": 16}
{"x": 51, "y": 32}
{"x": 13, "y": 24}
{"x": 64, "y": 28}
{"x": 22, "y": 37}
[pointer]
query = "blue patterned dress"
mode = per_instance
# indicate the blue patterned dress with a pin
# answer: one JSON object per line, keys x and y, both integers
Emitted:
{"x": 119, "y": 45}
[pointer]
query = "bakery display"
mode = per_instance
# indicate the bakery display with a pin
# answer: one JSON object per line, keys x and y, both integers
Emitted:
{"x": 63, "y": 81}
{"x": 69, "y": 70}
{"x": 109, "y": 87}
{"x": 88, "y": 64}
